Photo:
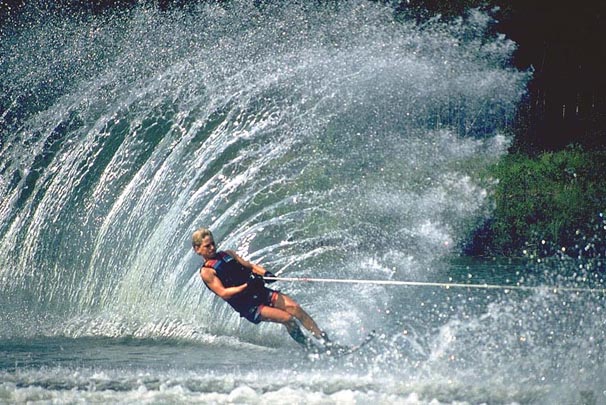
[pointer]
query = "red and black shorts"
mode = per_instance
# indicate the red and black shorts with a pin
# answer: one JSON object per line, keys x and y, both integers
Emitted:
{"x": 251, "y": 308}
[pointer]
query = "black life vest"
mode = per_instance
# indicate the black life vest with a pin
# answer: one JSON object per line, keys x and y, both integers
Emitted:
{"x": 229, "y": 270}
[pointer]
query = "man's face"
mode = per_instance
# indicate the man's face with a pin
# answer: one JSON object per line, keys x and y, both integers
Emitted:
{"x": 207, "y": 248}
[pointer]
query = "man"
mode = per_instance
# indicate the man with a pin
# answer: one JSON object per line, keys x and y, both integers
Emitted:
{"x": 241, "y": 284}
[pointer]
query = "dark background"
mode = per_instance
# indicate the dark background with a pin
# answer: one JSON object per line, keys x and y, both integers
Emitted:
{"x": 564, "y": 45}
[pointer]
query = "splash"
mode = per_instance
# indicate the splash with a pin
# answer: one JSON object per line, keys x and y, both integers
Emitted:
{"x": 313, "y": 139}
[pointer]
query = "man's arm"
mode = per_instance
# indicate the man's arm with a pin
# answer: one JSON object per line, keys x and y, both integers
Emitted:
{"x": 209, "y": 276}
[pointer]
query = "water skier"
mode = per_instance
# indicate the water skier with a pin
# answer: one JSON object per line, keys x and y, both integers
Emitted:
{"x": 241, "y": 284}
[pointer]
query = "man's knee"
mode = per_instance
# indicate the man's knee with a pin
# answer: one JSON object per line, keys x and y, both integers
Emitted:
{"x": 294, "y": 308}
{"x": 278, "y": 315}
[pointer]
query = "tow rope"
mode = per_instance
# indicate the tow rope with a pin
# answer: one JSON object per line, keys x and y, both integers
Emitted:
{"x": 432, "y": 284}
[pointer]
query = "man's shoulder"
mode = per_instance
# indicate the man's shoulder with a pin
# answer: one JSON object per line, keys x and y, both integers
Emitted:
{"x": 207, "y": 273}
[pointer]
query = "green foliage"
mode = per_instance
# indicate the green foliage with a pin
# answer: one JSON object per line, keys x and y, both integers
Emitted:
{"x": 546, "y": 203}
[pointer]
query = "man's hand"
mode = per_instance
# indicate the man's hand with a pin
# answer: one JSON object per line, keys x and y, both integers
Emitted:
{"x": 255, "y": 282}
{"x": 269, "y": 274}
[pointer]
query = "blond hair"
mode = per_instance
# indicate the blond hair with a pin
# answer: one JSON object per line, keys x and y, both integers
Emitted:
{"x": 199, "y": 235}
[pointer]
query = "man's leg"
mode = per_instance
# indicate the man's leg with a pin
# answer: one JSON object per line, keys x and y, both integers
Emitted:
{"x": 285, "y": 303}
{"x": 270, "y": 314}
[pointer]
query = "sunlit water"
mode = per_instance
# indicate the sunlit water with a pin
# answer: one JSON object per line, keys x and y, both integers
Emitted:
{"x": 319, "y": 141}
